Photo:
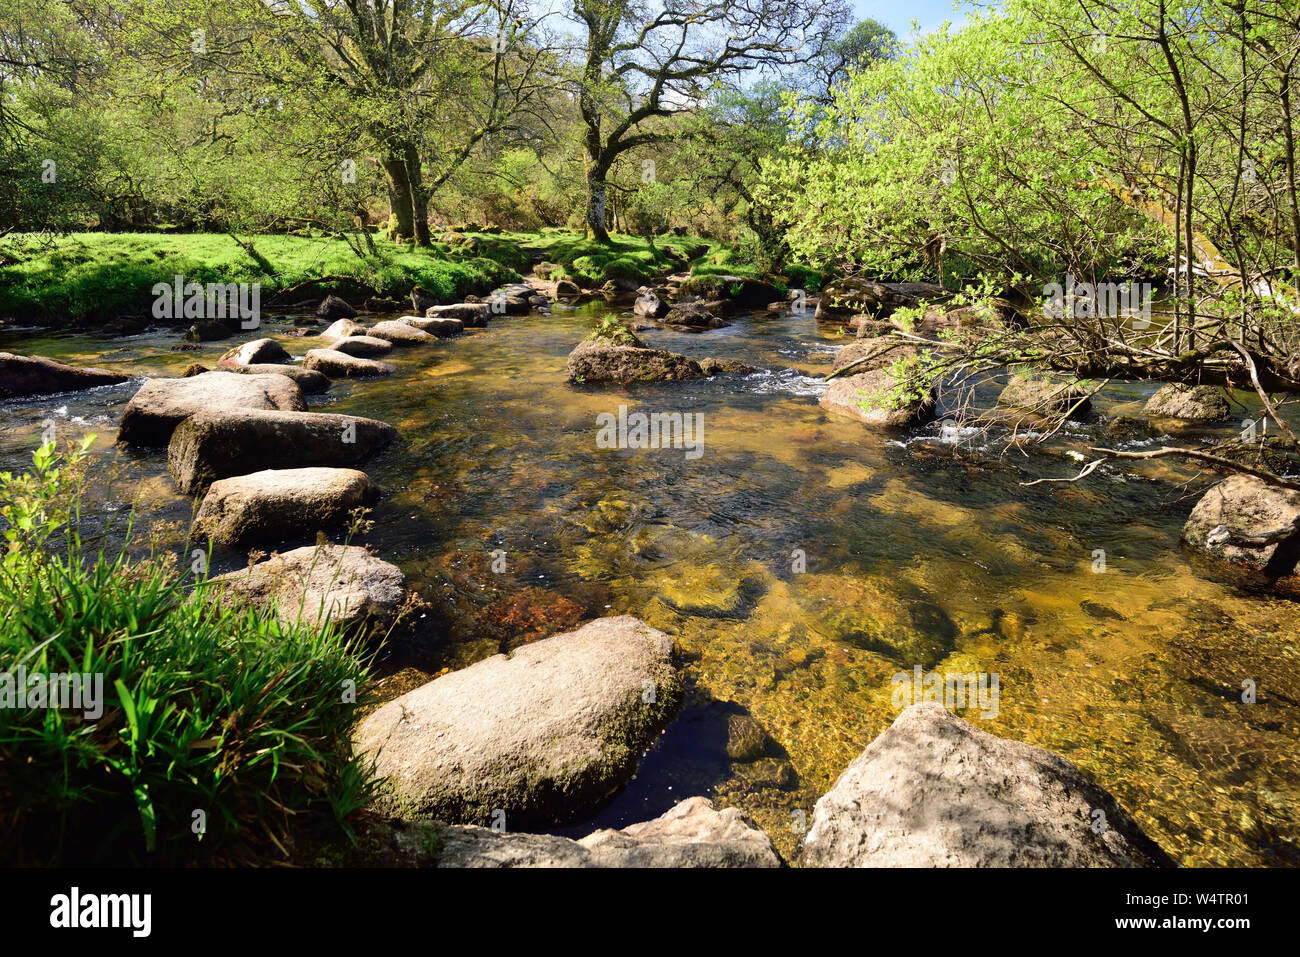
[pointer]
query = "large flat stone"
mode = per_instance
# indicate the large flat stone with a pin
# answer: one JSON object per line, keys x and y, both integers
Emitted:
{"x": 692, "y": 834}
{"x": 344, "y": 585}
{"x": 340, "y": 365}
{"x": 443, "y": 328}
{"x": 275, "y": 505}
{"x": 542, "y": 735}
{"x": 400, "y": 333}
{"x": 935, "y": 791}
{"x": 35, "y": 375}
{"x": 162, "y": 404}
{"x": 214, "y": 445}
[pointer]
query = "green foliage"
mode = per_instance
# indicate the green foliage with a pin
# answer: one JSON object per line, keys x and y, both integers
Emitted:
{"x": 204, "y": 709}
{"x": 613, "y": 330}
{"x": 952, "y": 158}
{"x": 101, "y": 276}
{"x": 625, "y": 257}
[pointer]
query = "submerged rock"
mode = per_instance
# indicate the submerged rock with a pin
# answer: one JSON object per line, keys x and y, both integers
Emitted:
{"x": 692, "y": 834}
{"x": 340, "y": 365}
{"x": 255, "y": 352}
{"x": 542, "y": 735}
{"x": 1198, "y": 403}
{"x": 34, "y": 375}
{"x": 899, "y": 621}
{"x": 280, "y": 504}
{"x": 162, "y": 404}
{"x": 934, "y": 791}
{"x": 345, "y": 585}
{"x": 216, "y": 445}
{"x": 1044, "y": 397}
{"x": 1244, "y": 519}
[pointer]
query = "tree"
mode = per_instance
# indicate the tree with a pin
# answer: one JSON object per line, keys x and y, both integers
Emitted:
{"x": 1074, "y": 139}
{"x": 426, "y": 82}
{"x": 640, "y": 64}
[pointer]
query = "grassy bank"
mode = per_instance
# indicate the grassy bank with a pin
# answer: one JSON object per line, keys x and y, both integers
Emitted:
{"x": 196, "y": 734}
{"x": 634, "y": 257}
{"x": 87, "y": 278}
{"x": 94, "y": 277}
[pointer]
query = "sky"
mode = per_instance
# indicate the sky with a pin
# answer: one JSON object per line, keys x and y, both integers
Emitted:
{"x": 899, "y": 14}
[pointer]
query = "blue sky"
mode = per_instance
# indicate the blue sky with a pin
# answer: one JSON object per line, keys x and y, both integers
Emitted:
{"x": 898, "y": 14}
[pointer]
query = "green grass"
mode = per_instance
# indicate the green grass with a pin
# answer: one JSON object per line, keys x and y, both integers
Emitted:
{"x": 99, "y": 276}
{"x": 592, "y": 263}
{"x": 219, "y": 721}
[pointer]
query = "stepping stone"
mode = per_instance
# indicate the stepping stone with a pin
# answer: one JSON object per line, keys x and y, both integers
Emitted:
{"x": 400, "y": 333}
{"x": 214, "y": 445}
{"x": 442, "y": 328}
{"x": 340, "y": 365}
{"x": 279, "y": 504}
{"x": 543, "y": 735}
{"x": 345, "y": 585}
{"x": 364, "y": 347}
{"x": 162, "y": 404}
{"x": 255, "y": 352}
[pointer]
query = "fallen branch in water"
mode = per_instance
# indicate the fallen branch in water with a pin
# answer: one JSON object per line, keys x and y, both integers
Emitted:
{"x": 1108, "y": 455}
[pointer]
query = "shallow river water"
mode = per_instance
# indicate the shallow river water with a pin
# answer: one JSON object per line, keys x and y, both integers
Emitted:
{"x": 800, "y": 562}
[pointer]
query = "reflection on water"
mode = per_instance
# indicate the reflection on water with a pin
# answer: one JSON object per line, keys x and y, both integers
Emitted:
{"x": 913, "y": 552}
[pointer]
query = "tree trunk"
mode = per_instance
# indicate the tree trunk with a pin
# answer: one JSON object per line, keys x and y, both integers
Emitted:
{"x": 1289, "y": 137}
{"x": 596, "y": 193}
{"x": 599, "y": 160}
{"x": 399, "y": 197}
{"x": 419, "y": 195}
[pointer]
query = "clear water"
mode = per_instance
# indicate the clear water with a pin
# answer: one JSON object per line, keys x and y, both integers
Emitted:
{"x": 914, "y": 550}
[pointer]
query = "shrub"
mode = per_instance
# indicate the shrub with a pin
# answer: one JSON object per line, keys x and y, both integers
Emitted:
{"x": 216, "y": 729}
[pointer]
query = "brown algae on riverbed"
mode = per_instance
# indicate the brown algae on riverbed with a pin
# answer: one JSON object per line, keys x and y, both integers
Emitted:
{"x": 911, "y": 553}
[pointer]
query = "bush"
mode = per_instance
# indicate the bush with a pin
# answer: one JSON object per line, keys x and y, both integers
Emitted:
{"x": 226, "y": 712}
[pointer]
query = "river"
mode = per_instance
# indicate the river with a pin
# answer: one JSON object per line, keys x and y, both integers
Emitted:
{"x": 801, "y": 562}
